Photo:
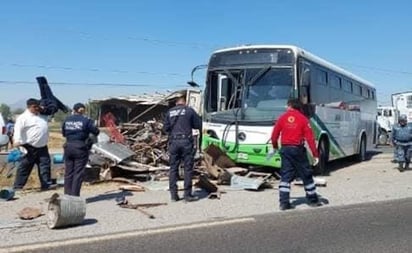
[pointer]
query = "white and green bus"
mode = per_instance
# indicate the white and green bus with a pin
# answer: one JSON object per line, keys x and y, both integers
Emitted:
{"x": 247, "y": 88}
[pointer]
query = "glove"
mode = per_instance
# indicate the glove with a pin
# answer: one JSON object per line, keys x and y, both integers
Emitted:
{"x": 315, "y": 161}
{"x": 270, "y": 154}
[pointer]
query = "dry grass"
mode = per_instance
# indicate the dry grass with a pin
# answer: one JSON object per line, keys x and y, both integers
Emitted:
{"x": 56, "y": 140}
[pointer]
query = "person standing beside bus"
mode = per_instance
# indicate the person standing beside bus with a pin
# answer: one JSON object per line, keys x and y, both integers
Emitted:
{"x": 402, "y": 140}
{"x": 294, "y": 128}
{"x": 179, "y": 124}
{"x": 76, "y": 128}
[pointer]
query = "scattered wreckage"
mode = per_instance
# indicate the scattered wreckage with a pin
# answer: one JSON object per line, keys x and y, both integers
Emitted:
{"x": 134, "y": 149}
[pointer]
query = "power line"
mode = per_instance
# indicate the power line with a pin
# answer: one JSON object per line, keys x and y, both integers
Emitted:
{"x": 378, "y": 69}
{"x": 15, "y": 82}
{"x": 147, "y": 40}
{"x": 66, "y": 68}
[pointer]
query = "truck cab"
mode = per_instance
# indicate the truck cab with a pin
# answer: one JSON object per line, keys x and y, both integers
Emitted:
{"x": 387, "y": 116}
{"x": 4, "y": 139}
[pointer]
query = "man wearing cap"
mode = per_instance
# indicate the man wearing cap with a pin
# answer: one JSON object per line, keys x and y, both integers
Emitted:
{"x": 76, "y": 128}
{"x": 179, "y": 124}
{"x": 31, "y": 132}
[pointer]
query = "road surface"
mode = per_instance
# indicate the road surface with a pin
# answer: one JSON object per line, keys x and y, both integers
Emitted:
{"x": 384, "y": 226}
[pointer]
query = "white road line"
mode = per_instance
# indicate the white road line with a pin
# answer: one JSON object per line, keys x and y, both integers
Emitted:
{"x": 117, "y": 236}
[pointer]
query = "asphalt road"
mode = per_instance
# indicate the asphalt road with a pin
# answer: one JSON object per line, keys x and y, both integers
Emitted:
{"x": 373, "y": 227}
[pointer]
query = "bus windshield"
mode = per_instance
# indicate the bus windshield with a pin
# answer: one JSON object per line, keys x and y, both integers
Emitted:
{"x": 260, "y": 100}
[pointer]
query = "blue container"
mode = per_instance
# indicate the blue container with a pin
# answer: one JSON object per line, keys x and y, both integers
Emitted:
{"x": 6, "y": 194}
{"x": 58, "y": 158}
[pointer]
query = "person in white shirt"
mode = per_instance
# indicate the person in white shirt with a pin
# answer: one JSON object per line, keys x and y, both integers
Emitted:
{"x": 31, "y": 132}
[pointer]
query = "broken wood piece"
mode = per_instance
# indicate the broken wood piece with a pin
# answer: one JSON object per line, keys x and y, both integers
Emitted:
{"x": 205, "y": 184}
{"x": 122, "y": 180}
{"x": 237, "y": 170}
{"x": 139, "y": 207}
{"x": 219, "y": 157}
{"x": 134, "y": 188}
{"x": 133, "y": 168}
{"x": 29, "y": 213}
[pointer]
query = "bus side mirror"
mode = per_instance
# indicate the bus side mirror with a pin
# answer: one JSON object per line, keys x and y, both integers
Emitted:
{"x": 193, "y": 84}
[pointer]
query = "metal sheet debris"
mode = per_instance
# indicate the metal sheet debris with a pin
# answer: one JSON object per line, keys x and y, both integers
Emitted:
{"x": 115, "y": 151}
{"x": 252, "y": 181}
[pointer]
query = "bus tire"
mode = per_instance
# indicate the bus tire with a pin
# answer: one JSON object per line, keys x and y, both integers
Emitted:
{"x": 323, "y": 151}
{"x": 361, "y": 156}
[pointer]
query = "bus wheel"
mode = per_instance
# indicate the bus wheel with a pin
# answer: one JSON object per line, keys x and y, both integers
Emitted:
{"x": 323, "y": 151}
{"x": 362, "y": 150}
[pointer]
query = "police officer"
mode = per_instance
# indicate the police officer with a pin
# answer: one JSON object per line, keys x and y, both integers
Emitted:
{"x": 76, "y": 128}
{"x": 179, "y": 124}
{"x": 402, "y": 140}
{"x": 294, "y": 128}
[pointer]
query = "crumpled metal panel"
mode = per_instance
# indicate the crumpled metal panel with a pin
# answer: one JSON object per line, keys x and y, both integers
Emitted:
{"x": 250, "y": 181}
{"x": 114, "y": 151}
{"x": 245, "y": 182}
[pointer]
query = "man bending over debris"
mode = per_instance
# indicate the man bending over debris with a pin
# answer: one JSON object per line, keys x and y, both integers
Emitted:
{"x": 179, "y": 124}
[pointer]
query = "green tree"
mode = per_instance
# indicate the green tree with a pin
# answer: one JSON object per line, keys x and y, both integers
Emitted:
{"x": 60, "y": 116}
{"x": 5, "y": 111}
{"x": 17, "y": 111}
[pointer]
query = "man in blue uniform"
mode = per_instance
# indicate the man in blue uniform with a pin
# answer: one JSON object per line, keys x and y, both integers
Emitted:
{"x": 402, "y": 140}
{"x": 76, "y": 128}
{"x": 179, "y": 124}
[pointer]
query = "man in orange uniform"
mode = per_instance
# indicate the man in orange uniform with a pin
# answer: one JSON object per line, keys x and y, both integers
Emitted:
{"x": 294, "y": 128}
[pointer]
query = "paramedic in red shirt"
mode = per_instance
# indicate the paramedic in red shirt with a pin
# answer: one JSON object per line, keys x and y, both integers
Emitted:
{"x": 294, "y": 128}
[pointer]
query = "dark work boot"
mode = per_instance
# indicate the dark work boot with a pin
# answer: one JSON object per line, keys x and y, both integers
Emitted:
{"x": 315, "y": 203}
{"x": 400, "y": 167}
{"x": 285, "y": 206}
{"x": 406, "y": 166}
{"x": 191, "y": 198}
{"x": 175, "y": 197}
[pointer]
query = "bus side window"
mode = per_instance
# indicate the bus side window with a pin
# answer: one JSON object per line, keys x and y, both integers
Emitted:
{"x": 305, "y": 84}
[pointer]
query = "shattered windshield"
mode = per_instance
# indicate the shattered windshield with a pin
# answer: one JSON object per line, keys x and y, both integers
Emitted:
{"x": 261, "y": 99}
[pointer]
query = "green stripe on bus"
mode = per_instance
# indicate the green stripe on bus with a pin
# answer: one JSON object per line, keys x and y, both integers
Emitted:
{"x": 318, "y": 127}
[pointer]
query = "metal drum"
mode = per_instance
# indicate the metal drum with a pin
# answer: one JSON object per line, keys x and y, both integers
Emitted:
{"x": 65, "y": 210}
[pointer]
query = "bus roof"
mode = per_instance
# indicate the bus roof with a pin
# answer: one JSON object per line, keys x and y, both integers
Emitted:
{"x": 301, "y": 52}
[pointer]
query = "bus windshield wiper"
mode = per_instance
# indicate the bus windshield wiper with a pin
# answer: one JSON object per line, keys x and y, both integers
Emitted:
{"x": 259, "y": 75}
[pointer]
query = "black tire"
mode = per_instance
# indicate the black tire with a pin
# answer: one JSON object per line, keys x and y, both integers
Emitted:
{"x": 361, "y": 156}
{"x": 323, "y": 151}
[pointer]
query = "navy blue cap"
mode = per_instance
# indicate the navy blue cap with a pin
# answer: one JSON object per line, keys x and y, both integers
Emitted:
{"x": 77, "y": 106}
